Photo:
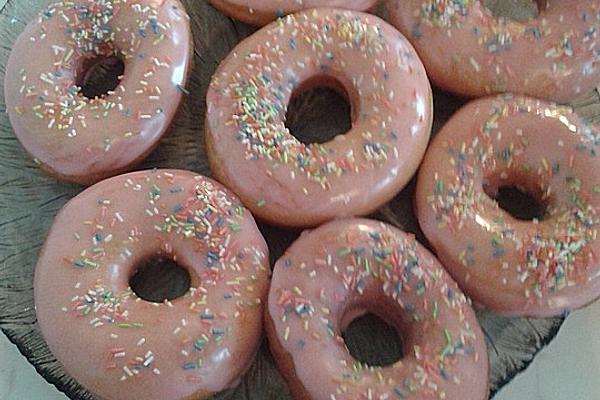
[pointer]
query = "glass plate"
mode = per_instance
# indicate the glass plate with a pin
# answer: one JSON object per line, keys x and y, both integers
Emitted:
{"x": 29, "y": 200}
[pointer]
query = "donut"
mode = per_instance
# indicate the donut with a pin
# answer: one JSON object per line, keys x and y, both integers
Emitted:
{"x": 289, "y": 183}
{"x": 120, "y": 346}
{"x": 347, "y": 268}
{"x": 540, "y": 267}
{"x": 468, "y": 51}
{"x": 261, "y": 12}
{"x": 85, "y": 139}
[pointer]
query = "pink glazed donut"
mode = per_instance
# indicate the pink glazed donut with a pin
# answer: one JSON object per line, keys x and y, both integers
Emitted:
{"x": 261, "y": 12}
{"x": 120, "y": 346}
{"x": 469, "y": 51}
{"x": 81, "y": 139}
{"x": 515, "y": 267}
{"x": 346, "y": 268}
{"x": 285, "y": 181}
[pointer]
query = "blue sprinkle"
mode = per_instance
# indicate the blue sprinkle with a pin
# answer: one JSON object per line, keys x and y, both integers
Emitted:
{"x": 218, "y": 332}
{"x": 375, "y": 236}
{"x": 416, "y": 32}
{"x": 189, "y": 365}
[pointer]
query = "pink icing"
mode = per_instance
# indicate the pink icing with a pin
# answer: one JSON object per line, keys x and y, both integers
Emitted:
{"x": 287, "y": 182}
{"x": 515, "y": 267}
{"x": 261, "y": 12}
{"x": 469, "y": 51}
{"x": 338, "y": 271}
{"x": 121, "y": 347}
{"x": 84, "y": 140}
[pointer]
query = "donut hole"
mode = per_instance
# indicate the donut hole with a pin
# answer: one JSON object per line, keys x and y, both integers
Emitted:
{"x": 372, "y": 341}
{"x": 520, "y": 203}
{"x": 158, "y": 279}
{"x": 319, "y": 110}
{"x": 99, "y": 76}
{"x": 517, "y": 10}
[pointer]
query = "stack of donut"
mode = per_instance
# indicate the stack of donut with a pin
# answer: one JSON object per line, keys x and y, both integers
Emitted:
{"x": 120, "y": 346}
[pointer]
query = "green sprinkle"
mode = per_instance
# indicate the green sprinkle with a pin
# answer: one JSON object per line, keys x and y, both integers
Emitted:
{"x": 439, "y": 188}
{"x": 344, "y": 252}
{"x": 367, "y": 265}
{"x": 132, "y": 325}
{"x": 496, "y": 240}
{"x": 448, "y": 347}
{"x": 90, "y": 263}
{"x": 261, "y": 203}
{"x": 200, "y": 344}
{"x": 448, "y": 337}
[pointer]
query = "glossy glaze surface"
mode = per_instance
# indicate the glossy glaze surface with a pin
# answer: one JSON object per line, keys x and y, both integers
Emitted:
{"x": 261, "y": 12}
{"x": 469, "y": 51}
{"x": 515, "y": 267}
{"x": 84, "y": 140}
{"x": 346, "y": 268}
{"x": 121, "y": 347}
{"x": 290, "y": 183}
